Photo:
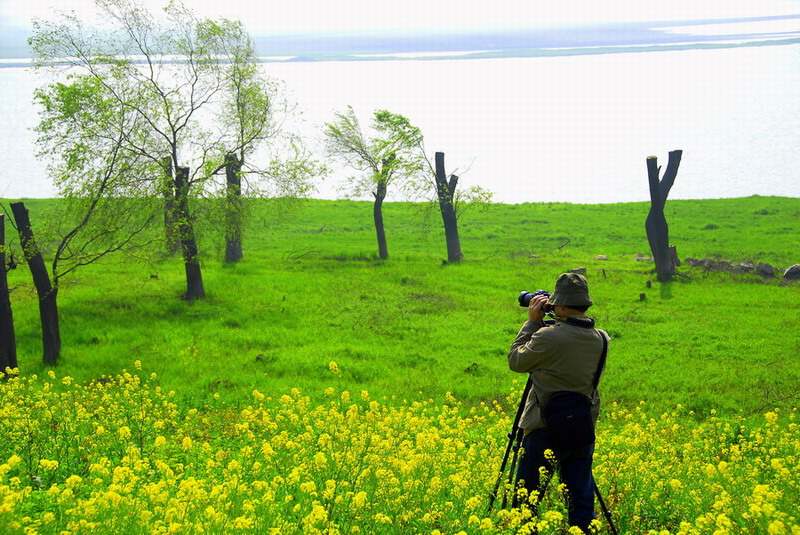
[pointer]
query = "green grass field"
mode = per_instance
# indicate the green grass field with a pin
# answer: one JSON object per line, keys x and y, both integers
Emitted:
{"x": 310, "y": 291}
{"x": 708, "y": 350}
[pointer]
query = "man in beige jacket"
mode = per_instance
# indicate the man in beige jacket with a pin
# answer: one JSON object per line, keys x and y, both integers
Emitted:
{"x": 560, "y": 355}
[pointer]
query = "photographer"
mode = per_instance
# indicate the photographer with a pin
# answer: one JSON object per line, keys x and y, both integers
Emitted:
{"x": 561, "y": 355}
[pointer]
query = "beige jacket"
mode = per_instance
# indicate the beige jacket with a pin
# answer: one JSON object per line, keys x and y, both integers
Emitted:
{"x": 562, "y": 356}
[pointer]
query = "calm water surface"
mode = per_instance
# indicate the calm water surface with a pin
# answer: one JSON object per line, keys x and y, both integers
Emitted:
{"x": 575, "y": 129}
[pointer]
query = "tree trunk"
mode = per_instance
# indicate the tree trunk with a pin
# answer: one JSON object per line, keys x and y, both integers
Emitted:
{"x": 171, "y": 239}
{"x": 48, "y": 307}
{"x": 377, "y": 215}
{"x": 8, "y": 343}
{"x": 233, "y": 209}
{"x": 194, "y": 277}
{"x": 656, "y": 222}
{"x": 446, "y": 193}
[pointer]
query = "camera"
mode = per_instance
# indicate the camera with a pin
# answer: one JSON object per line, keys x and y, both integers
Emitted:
{"x": 525, "y": 299}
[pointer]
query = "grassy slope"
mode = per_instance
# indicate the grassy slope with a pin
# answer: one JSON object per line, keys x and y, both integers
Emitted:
{"x": 310, "y": 291}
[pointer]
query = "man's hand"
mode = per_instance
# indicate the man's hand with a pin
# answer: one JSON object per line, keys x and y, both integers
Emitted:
{"x": 536, "y": 308}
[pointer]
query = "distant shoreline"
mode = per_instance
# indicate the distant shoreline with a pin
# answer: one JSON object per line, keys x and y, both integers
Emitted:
{"x": 428, "y": 44}
{"x": 491, "y": 54}
{"x": 401, "y": 202}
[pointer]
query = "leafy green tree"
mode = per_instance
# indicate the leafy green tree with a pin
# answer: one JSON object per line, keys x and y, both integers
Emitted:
{"x": 83, "y": 135}
{"x": 390, "y": 156}
{"x": 179, "y": 77}
{"x": 396, "y": 154}
{"x": 259, "y": 155}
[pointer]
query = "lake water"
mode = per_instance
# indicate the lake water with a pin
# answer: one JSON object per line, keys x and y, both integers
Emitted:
{"x": 571, "y": 128}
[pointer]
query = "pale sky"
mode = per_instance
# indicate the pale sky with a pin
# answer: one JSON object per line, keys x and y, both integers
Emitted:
{"x": 298, "y": 16}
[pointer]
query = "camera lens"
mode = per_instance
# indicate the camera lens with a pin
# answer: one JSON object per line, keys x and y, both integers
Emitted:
{"x": 525, "y": 298}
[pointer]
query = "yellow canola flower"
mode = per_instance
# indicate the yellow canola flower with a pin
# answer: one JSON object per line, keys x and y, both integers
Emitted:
{"x": 473, "y": 503}
{"x": 46, "y": 464}
{"x": 771, "y": 418}
{"x": 776, "y": 527}
{"x": 243, "y": 523}
{"x": 317, "y": 515}
{"x": 330, "y": 489}
{"x": 360, "y": 499}
{"x": 353, "y": 464}
{"x": 381, "y": 518}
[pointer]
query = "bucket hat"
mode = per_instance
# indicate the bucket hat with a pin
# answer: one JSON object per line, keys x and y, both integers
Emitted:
{"x": 571, "y": 290}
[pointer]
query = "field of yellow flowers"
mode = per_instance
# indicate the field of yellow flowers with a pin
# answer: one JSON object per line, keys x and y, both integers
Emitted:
{"x": 120, "y": 456}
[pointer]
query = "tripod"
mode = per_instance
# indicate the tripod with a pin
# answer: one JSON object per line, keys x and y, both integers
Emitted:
{"x": 514, "y": 444}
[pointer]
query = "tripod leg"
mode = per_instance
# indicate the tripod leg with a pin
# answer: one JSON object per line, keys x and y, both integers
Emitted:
{"x": 493, "y": 495}
{"x": 605, "y": 510}
{"x": 512, "y": 478}
{"x": 514, "y": 434}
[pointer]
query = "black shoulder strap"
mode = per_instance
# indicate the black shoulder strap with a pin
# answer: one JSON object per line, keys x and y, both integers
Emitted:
{"x": 601, "y": 364}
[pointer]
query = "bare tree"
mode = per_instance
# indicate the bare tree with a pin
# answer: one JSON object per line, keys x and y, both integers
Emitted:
{"x": 48, "y": 307}
{"x": 8, "y": 344}
{"x": 453, "y": 203}
{"x": 440, "y": 187}
{"x": 656, "y": 222}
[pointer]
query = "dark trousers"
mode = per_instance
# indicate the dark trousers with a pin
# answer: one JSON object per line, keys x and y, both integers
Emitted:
{"x": 575, "y": 471}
